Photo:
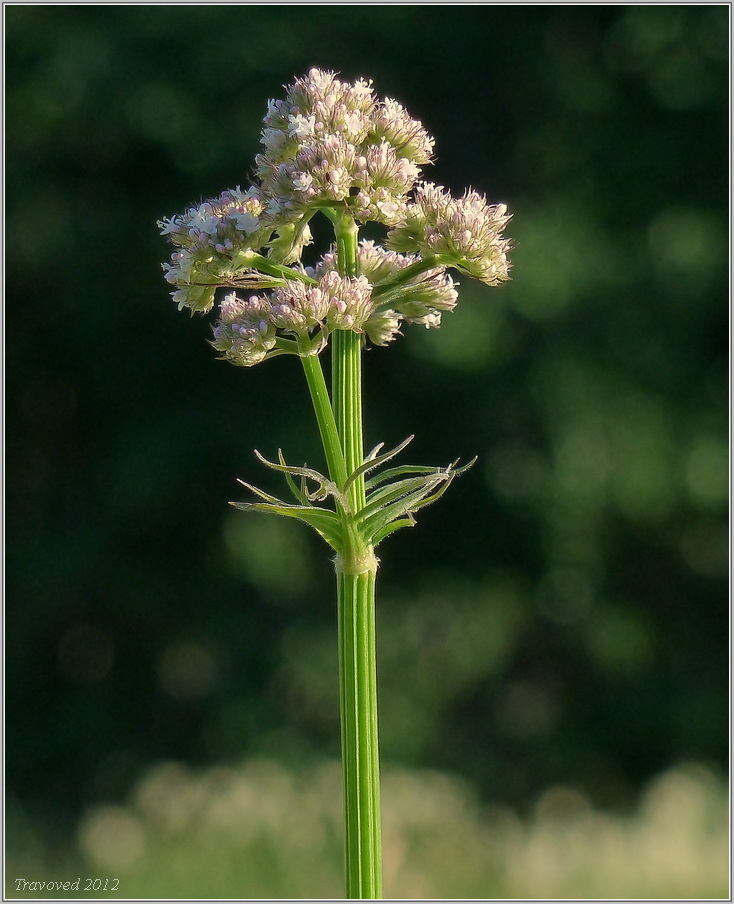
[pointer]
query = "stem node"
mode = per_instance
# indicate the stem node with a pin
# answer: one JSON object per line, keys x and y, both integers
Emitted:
{"x": 356, "y": 564}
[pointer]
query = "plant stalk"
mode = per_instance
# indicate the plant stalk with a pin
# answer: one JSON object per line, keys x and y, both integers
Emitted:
{"x": 356, "y": 569}
{"x": 360, "y": 757}
{"x": 325, "y": 418}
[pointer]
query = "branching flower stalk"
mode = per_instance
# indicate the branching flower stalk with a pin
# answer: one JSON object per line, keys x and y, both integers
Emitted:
{"x": 332, "y": 148}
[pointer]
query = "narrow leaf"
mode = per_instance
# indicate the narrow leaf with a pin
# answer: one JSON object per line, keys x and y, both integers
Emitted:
{"x": 391, "y": 528}
{"x": 374, "y": 462}
{"x": 325, "y": 486}
{"x": 384, "y": 476}
{"x": 327, "y": 524}
{"x": 261, "y": 493}
{"x": 392, "y": 492}
{"x": 298, "y": 493}
{"x": 408, "y": 504}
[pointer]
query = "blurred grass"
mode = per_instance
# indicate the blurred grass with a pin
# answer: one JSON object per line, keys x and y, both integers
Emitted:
{"x": 262, "y": 830}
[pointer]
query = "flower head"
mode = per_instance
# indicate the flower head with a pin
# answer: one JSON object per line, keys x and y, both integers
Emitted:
{"x": 331, "y": 142}
{"x": 222, "y": 224}
{"x": 383, "y": 326}
{"x": 334, "y": 303}
{"x": 317, "y": 105}
{"x": 247, "y": 331}
{"x": 332, "y": 145}
{"x": 466, "y": 232}
{"x": 213, "y": 240}
{"x": 420, "y": 299}
{"x": 244, "y": 333}
{"x": 391, "y": 122}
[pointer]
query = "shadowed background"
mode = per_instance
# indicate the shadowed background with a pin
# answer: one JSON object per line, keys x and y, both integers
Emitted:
{"x": 559, "y": 619}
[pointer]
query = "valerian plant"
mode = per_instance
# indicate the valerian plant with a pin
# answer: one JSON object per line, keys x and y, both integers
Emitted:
{"x": 333, "y": 148}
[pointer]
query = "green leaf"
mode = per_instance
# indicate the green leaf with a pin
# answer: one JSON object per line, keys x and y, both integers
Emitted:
{"x": 374, "y": 460}
{"x": 325, "y": 487}
{"x": 404, "y": 498}
{"x": 404, "y": 506}
{"x": 391, "y": 493}
{"x": 384, "y": 476}
{"x": 261, "y": 493}
{"x": 299, "y": 493}
{"x": 391, "y": 528}
{"x": 325, "y": 523}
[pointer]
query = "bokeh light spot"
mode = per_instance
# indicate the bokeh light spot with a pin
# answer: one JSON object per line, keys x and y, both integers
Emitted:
{"x": 187, "y": 671}
{"x": 112, "y": 837}
{"x": 273, "y": 553}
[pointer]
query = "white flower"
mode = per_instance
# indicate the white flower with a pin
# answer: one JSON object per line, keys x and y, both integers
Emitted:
{"x": 430, "y": 320}
{"x": 179, "y": 270}
{"x": 203, "y": 220}
{"x": 320, "y": 79}
{"x": 362, "y": 87}
{"x": 409, "y": 170}
{"x": 302, "y": 181}
{"x": 246, "y": 222}
{"x": 353, "y": 124}
{"x": 239, "y": 197}
{"x": 388, "y": 208}
{"x": 301, "y": 126}
{"x": 168, "y": 225}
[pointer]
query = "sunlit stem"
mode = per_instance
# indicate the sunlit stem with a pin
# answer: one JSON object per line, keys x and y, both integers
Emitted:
{"x": 325, "y": 419}
{"x": 360, "y": 757}
{"x": 356, "y": 568}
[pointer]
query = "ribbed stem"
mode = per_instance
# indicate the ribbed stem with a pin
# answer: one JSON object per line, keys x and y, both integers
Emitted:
{"x": 356, "y": 568}
{"x": 347, "y": 381}
{"x": 360, "y": 756}
{"x": 347, "y": 367}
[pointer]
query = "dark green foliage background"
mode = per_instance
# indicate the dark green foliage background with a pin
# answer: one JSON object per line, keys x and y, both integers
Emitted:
{"x": 561, "y": 615}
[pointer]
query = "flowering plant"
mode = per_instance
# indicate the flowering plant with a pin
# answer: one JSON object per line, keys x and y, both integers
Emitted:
{"x": 332, "y": 147}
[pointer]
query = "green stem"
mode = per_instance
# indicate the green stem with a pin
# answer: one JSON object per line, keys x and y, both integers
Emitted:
{"x": 325, "y": 419}
{"x": 407, "y": 274}
{"x": 258, "y": 262}
{"x": 347, "y": 393}
{"x": 347, "y": 367}
{"x": 356, "y": 568}
{"x": 360, "y": 758}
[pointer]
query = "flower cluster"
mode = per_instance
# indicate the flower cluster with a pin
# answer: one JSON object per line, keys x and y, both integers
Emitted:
{"x": 465, "y": 233}
{"x": 335, "y": 302}
{"x": 399, "y": 297}
{"x": 307, "y": 310}
{"x": 214, "y": 240}
{"x": 244, "y": 333}
{"x": 332, "y": 145}
{"x": 296, "y": 312}
{"x": 330, "y": 142}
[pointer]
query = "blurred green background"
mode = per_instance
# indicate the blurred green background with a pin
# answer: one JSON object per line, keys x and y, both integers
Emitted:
{"x": 557, "y": 624}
